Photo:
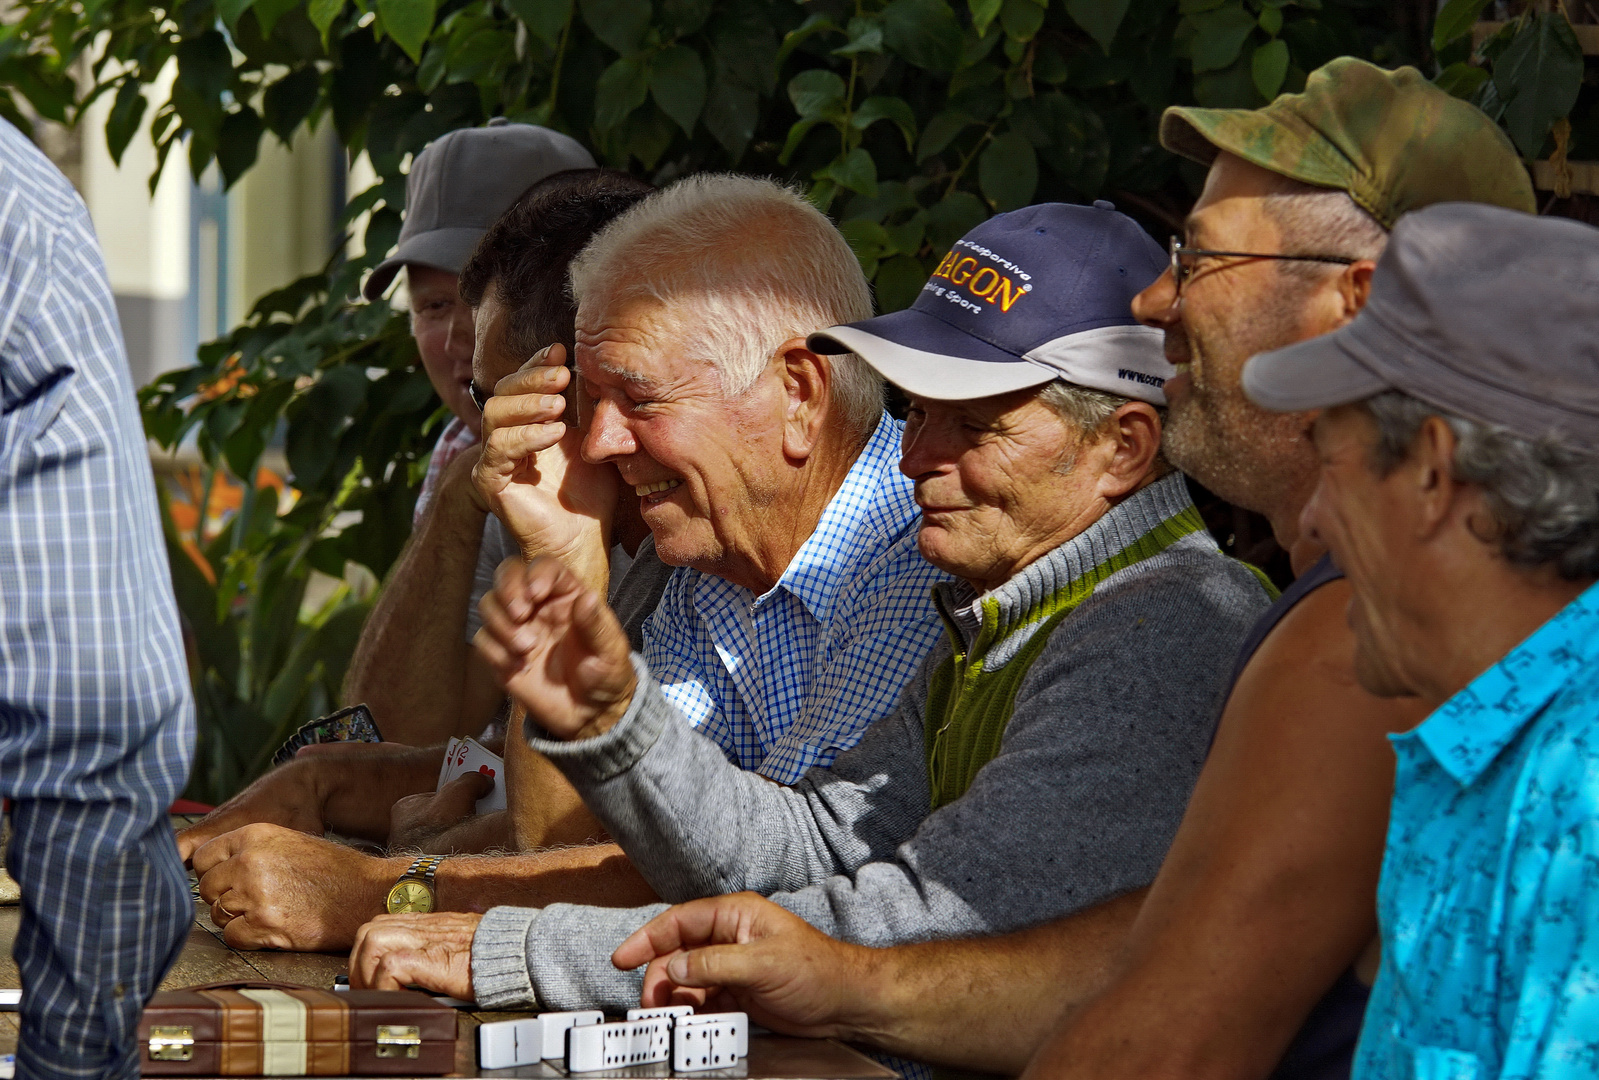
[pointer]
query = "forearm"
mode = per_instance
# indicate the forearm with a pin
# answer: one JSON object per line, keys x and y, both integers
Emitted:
{"x": 983, "y": 1004}
{"x": 598, "y": 874}
{"x": 411, "y": 662}
{"x": 545, "y": 810}
{"x": 696, "y": 824}
{"x": 357, "y": 795}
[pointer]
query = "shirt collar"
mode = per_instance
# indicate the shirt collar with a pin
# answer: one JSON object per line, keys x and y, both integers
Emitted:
{"x": 874, "y": 504}
{"x": 1468, "y": 731}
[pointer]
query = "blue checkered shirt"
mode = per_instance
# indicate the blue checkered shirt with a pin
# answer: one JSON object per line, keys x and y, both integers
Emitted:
{"x": 96, "y": 718}
{"x": 789, "y": 679}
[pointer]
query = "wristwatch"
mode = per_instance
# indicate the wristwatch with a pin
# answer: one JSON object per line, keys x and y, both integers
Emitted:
{"x": 414, "y": 891}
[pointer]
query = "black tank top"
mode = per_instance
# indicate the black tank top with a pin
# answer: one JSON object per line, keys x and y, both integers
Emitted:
{"x": 1324, "y": 1048}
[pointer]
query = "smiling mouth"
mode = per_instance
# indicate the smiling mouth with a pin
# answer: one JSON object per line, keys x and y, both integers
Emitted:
{"x": 652, "y": 493}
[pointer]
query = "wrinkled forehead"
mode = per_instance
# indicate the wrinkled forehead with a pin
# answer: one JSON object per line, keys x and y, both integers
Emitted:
{"x": 639, "y": 340}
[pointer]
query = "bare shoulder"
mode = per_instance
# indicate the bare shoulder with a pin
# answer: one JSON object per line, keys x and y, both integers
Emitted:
{"x": 1300, "y": 684}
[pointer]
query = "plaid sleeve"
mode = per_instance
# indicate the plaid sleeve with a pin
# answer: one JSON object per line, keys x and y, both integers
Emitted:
{"x": 96, "y": 718}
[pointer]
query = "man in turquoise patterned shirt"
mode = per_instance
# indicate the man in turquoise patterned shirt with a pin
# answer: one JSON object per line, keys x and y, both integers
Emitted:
{"x": 1459, "y": 491}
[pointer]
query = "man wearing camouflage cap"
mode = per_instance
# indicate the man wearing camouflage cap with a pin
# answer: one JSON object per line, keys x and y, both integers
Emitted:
{"x": 1242, "y": 960}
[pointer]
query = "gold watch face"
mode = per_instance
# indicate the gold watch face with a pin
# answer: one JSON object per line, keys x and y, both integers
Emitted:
{"x": 410, "y": 896}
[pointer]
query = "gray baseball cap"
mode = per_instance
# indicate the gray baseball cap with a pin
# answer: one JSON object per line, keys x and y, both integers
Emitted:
{"x": 461, "y": 184}
{"x": 1486, "y": 313}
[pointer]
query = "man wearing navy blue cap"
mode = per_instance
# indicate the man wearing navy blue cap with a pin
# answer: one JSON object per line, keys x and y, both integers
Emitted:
{"x": 1037, "y": 765}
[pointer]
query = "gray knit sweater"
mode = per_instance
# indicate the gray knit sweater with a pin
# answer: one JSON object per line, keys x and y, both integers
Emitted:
{"x": 1109, "y": 730}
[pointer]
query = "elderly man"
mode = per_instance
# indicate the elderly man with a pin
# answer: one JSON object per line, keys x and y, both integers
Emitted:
{"x": 1459, "y": 492}
{"x": 1033, "y": 769}
{"x": 803, "y": 606}
{"x": 1242, "y": 960}
{"x": 413, "y": 665}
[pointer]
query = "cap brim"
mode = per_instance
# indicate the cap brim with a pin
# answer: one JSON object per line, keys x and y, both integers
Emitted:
{"x": 1314, "y": 374}
{"x": 443, "y": 249}
{"x": 928, "y": 358}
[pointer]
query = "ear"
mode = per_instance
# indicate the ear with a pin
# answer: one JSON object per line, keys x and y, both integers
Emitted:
{"x": 1132, "y": 435}
{"x": 807, "y": 391}
{"x": 1354, "y": 288}
{"x": 1431, "y": 472}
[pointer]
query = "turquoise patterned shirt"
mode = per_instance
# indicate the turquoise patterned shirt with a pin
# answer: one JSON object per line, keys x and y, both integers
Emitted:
{"x": 1489, "y": 899}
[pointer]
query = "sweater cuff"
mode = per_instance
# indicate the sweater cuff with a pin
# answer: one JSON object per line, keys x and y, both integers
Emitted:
{"x": 500, "y": 978}
{"x": 607, "y": 756}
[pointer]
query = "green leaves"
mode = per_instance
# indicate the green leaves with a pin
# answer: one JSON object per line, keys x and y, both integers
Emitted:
{"x": 545, "y": 19}
{"x": 1101, "y": 18}
{"x": 817, "y": 94}
{"x": 1454, "y": 21}
{"x": 1268, "y": 66}
{"x": 621, "y": 89}
{"x": 126, "y": 112}
{"x": 1219, "y": 35}
{"x": 677, "y": 82}
{"x": 1538, "y": 77}
{"x": 408, "y": 22}
{"x": 898, "y": 110}
{"x": 924, "y": 32}
{"x": 1008, "y": 172}
{"x": 287, "y": 102}
{"x": 618, "y": 23}
{"x": 322, "y": 13}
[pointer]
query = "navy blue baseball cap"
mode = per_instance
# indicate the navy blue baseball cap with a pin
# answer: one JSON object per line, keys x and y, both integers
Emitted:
{"x": 1028, "y": 297}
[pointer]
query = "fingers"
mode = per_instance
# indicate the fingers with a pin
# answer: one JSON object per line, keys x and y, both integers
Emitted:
{"x": 458, "y": 798}
{"x": 716, "y": 919}
{"x": 431, "y": 951}
{"x": 722, "y": 966}
{"x": 212, "y": 852}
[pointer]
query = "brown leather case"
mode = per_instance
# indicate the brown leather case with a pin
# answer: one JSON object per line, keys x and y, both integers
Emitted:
{"x": 280, "y": 1029}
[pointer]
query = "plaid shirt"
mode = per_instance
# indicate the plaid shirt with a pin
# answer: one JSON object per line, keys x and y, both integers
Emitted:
{"x": 789, "y": 679}
{"x": 96, "y": 718}
{"x": 455, "y": 438}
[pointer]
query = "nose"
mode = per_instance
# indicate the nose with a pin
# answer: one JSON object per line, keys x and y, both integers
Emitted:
{"x": 920, "y": 452}
{"x": 607, "y": 437}
{"x": 460, "y": 340}
{"x": 1311, "y": 516}
{"x": 1159, "y": 305}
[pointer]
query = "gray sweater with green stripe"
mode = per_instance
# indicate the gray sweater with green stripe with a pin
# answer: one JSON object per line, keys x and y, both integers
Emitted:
{"x": 1065, "y": 760}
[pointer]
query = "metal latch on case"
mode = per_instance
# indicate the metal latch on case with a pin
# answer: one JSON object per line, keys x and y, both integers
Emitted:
{"x": 172, "y": 1043}
{"x": 399, "y": 1040}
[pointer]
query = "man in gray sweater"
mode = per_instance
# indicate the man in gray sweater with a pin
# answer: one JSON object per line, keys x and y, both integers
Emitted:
{"x": 1038, "y": 764}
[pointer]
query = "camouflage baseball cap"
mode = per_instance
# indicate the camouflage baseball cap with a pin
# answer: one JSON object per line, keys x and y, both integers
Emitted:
{"x": 1391, "y": 139}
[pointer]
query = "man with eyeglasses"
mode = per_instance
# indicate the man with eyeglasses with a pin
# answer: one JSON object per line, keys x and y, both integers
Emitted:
{"x": 1253, "y": 953}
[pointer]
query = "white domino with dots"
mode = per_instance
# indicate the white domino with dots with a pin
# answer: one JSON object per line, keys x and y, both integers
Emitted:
{"x": 709, "y": 1041}
{"x": 672, "y": 1012}
{"x": 615, "y": 1046}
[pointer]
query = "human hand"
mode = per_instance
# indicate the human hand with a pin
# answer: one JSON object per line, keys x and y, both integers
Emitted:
{"x": 431, "y": 951}
{"x": 417, "y": 820}
{"x": 273, "y": 888}
{"x": 556, "y": 648}
{"x": 531, "y": 473}
{"x": 290, "y": 795}
{"x": 743, "y": 952}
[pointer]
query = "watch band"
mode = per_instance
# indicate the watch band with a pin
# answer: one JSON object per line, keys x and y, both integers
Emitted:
{"x": 424, "y": 867}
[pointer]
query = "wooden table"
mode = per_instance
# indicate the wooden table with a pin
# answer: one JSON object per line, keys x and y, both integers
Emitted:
{"x": 207, "y": 958}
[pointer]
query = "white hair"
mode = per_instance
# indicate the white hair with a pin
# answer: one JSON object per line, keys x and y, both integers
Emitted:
{"x": 755, "y": 264}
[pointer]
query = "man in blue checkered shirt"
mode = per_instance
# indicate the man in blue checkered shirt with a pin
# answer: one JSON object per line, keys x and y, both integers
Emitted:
{"x": 768, "y": 475}
{"x": 96, "y": 718}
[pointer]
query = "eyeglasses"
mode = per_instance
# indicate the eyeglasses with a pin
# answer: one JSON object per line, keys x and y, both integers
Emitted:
{"x": 480, "y": 397}
{"x": 1180, "y": 270}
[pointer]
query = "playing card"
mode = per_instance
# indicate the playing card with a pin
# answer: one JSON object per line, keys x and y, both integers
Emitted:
{"x": 468, "y": 755}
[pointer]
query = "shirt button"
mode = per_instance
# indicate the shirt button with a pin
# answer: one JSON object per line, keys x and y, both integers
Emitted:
{"x": 119, "y": 991}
